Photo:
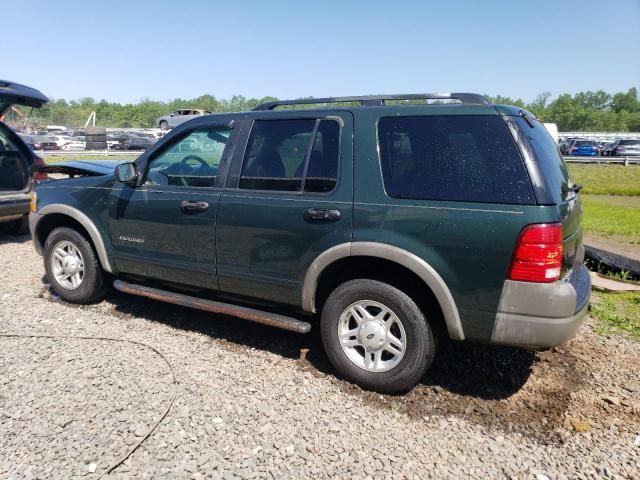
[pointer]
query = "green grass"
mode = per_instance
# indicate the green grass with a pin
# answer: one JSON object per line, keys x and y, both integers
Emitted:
{"x": 617, "y": 313}
{"x": 614, "y": 217}
{"x": 607, "y": 179}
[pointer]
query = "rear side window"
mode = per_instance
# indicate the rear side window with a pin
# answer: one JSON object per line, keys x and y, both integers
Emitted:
{"x": 457, "y": 158}
{"x": 292, "y": 155}
{"x": 548, "y": 157}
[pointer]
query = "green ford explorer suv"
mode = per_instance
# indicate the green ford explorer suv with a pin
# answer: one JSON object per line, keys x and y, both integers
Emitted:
{"x": 389, "y": 219}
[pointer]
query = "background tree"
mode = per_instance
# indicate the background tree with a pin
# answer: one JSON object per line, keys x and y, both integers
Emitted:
{"x": 585, "y": 111}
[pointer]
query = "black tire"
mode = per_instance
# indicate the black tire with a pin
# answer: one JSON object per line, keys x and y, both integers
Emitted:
{"x": 163, "y": 125}
{"x": 420, "y": 346}
{"x": 95, "y": 131}
{"x": 95, "y": 145}
{"x": 92, "y": 286}
{"x": 16, "y": 227}
{"x": 95, "y": 138}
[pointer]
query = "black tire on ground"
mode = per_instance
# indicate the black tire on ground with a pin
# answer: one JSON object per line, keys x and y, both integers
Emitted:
{"x": 95, "y": 131}
{"x": 420, "y": 344}
{"x": 95, "y": 145}
{"x": 16, "y": 227}
{"x": 92, "y": 286}
{"x": 95, "y": 138}
{"x": 163, "y": 125}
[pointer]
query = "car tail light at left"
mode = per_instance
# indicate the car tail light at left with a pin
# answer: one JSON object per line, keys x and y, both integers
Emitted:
{"x": 538, "y": 254}
{"x": 39, "y": 176}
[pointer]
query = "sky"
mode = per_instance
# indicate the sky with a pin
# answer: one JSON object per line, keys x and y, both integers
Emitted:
{"x": 125, "y": 51}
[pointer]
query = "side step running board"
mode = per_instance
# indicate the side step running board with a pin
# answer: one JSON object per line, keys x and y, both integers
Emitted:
{"x": 258, "y": 316}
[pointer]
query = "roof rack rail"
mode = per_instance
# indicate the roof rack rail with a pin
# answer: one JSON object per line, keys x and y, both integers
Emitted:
{"x": 379, "y": 100}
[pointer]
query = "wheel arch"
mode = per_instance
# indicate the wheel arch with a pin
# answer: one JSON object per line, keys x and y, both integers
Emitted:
{"x": 327, "y": 261}
{"x": 57, "y": 215}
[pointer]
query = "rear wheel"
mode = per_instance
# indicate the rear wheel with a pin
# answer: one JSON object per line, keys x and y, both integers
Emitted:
{"x": 376, "y": 336}
{"x": 72, "y": 267}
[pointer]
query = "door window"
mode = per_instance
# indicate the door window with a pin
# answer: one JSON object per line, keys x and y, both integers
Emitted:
{"x": 292, "y": 155}
{"x": 191, "y": 161}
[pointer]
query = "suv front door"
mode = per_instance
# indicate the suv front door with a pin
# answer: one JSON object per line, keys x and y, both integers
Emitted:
{"x": 165, "y": 227}
{"x": 289, "y": 198}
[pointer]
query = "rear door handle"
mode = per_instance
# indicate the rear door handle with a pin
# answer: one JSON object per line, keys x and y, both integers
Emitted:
{"x": 322, "y": 215}
{"x": 190, "y": 206}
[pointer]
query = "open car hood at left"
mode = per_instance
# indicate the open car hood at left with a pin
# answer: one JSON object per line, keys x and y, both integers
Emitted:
{"x": 15, "y": 94}
{"x": 80, "y": 167}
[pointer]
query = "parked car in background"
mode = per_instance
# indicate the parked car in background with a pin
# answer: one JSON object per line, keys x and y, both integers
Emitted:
{"x": 133, "y": 143}
{"x": 16, "y": 160}
{"x": 384, "y": 225}
{"x": 41, "y": 142}
{"x": 61, "y": 140}
{"x": 625, "y": 147}
{"x": 74, "y": 145}
{"x": 566, "y": 145}
{"x": 180, "y": 116}
{"x": 584, "y": 148}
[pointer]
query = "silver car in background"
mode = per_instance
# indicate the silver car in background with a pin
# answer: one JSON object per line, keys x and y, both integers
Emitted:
{"x": 179, "y": 116}
{"x": 626, "y": 147}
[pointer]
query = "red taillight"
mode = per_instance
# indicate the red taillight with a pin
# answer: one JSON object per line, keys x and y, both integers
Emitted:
{"x": 573, "y": 149}
{"x": 538, "y": 254}
{"x": 39, "y": 176}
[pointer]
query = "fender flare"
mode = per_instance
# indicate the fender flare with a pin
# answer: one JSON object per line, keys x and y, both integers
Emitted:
{"x": 83, "y": 220}
{"x": 387, "y": 252}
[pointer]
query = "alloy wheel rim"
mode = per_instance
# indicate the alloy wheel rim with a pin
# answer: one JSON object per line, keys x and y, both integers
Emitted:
{"x": 372, "y": 336}
{"x": 67, "y": 265}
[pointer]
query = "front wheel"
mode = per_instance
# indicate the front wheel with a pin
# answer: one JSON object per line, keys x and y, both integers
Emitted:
{"x": 164, "y": 125}
{"x": 376, "y": 336}
{"x": 72, "y": 267}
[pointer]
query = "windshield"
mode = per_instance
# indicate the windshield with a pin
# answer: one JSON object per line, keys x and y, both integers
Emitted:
{"x": 629, "y": 142}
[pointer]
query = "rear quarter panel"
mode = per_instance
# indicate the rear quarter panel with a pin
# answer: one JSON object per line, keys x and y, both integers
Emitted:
{"x": 469, "y": 244}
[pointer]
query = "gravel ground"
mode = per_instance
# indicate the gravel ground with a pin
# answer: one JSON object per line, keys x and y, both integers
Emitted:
{"x": 255, "y": 402}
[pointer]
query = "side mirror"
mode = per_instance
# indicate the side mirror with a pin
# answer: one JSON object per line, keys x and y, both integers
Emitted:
{"x": 172, "y": 115}
{"x": 126, "y": 172}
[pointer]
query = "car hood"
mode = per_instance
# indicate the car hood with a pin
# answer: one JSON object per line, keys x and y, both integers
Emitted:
{"x": 16, "y": 94}
{"x": 80, "y": 167}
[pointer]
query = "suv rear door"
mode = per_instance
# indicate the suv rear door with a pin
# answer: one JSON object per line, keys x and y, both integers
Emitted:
{"x": 15, "y": 181}
{"x": 288, "y": 198}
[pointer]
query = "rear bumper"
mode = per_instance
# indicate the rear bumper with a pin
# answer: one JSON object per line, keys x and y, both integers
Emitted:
{"x": 584, "y": 154}
{"x": 542, "y": 315}
{"x": 14, "y": 205}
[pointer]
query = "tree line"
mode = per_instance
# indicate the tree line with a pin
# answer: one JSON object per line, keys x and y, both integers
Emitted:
{"x": 585, "y": 111}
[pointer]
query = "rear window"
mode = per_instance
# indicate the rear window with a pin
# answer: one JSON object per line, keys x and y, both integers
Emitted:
{"x": 584, "y": 143}
{"x": 629, "y": 142}
{"x": 456, "y": 158}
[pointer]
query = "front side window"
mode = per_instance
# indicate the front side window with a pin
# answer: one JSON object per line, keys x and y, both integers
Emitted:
{"x": 456, "y": 158}
{"x": 292, "y": 155}
{"x": 191, "y": 161}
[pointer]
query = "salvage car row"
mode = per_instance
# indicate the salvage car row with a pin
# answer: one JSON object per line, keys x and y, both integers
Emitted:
{"x": 584, "y": 147}
{"x": 75, "y": 140}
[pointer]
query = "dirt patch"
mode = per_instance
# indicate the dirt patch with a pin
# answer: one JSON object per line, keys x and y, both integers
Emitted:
{"x": 537, "y": 394}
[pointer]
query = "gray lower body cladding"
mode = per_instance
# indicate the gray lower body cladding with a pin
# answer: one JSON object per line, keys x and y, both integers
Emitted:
{"x": 542, "y": 315}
